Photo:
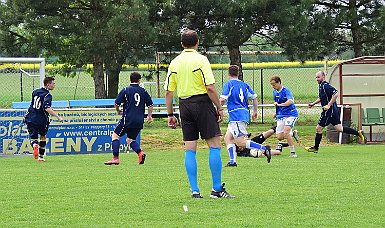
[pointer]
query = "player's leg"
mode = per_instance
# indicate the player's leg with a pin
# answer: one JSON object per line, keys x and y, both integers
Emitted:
{"x": 287, "y": 135}
{"x": 231, "y": 148}
{"x": 338, "y": 126}
{"x": 263, "y": 136}
{"x": 132, "y": 133}
{"x": 42, "y": 144}
{"x": 322, "y": 122}
{"x": 190, "y": 136}
{"x": 118, "y": 132}
{"x": 33, "y": 136}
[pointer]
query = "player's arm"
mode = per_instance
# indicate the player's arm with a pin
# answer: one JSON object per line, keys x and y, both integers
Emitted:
{"x": 286, "y": 103}
{"x": 149, "y": 113}
{"x": 314, "y": 103}
{"x": 53, "y": 113}
{"x": 255, "y": 109}
{"x": 213, "y": 94}
{"x": 170, "y": 113}
{"x": 334, "y": 98}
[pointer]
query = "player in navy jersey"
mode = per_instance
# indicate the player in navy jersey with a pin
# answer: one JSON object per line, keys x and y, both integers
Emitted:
{"x": 37, "y": 117}
{"x": 327, "y": 95}
{"x": 236, "y": 94}
{"x": 285, "y": 112}
{"x": 134, "y": 99}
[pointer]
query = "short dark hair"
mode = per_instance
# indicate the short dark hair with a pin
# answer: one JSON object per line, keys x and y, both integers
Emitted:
{"x": 48, "y": 80}
{"x": 189, "y": 38}
{"x": 135, "y": 77}
{"x": 276, "y": 79}
{"x": 234, "y": 70}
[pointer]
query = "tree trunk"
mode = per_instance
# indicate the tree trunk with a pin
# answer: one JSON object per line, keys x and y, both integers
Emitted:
{"x": 236, "y": 58}
{"x": 113, "y": 68}
{"x": 355, "y": 28}
{"x": 98, "y": 75}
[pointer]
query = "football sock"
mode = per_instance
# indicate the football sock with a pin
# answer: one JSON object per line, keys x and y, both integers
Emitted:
{"x": 253, "y": 145}
{"x": 190, "y": 162}
{"x": 233, "y": 156}
{"x": 215, "y": 163}
{"x": 349, "y": 131}
{"x": 259, "y": 138}
{"x": 42, "y": 147}
{"x": 318, "y": 137}
{"x": 33, "y": 142}
{"x": 292, "y": 150}
{"x": 115, "y": 148}
{"x": 135, "y": 146}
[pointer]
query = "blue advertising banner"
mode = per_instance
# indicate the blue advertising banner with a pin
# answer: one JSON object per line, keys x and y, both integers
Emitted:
{"x": 83, "y": 131}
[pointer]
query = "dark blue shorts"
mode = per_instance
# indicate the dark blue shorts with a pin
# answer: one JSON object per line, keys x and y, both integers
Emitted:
{"x": 36, "y": 130}
{"x": 131, "y": 133}
{"x": 329, "y": 117}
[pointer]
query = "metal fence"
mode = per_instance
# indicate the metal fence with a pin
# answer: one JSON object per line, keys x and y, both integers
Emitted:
{"x": 17, "y": 86}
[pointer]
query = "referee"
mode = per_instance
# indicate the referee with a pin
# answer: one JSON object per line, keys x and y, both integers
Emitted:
{"x": 191, "y": 76}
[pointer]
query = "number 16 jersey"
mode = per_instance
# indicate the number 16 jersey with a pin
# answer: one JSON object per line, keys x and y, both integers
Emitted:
{"x": 41, "y": 99}
{"x": 236, "y": 93}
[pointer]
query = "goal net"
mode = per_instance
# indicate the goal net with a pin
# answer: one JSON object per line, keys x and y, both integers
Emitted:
{"x": 19, "y": 76}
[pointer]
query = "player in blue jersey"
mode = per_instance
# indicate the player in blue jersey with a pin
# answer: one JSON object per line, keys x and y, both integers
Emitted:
{"x": 134, "y": 99}
{"x": 37, "y": 118}
{"x": 330, "y": 114}
{"x": 236, "y": 94}
{"x": 285, "y": 112}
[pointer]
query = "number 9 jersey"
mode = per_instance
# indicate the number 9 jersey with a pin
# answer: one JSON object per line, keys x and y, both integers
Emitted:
{"x": 41, "y": 99}
{"x": 134, "y": 98}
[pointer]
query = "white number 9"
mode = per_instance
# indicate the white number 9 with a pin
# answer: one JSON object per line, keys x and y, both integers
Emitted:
{"x": 137, "y": 98}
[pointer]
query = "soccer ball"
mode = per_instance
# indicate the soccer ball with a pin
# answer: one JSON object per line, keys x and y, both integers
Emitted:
{"x": 254, "y": 152}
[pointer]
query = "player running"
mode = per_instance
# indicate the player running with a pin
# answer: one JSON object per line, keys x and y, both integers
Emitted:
{"x": 133, "y": 98}
{"x": 330, "y": 114}
{"x": 37, "y": 118}
{"x": 236, "y": 93}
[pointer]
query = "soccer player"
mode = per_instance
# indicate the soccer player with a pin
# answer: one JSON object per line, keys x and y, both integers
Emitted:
{"x": 191, "y": 76}
{"x": 327, "y": 95}
{"x": 285, "y": 113}
{"x": 37, "y": 118}
{"x": 260, "y": 138}
{"x": 133, "y": 98}
{"x": 236, "y": 94}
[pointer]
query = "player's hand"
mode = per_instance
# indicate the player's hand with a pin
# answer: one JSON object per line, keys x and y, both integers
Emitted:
{"x": 274, "y": 115}
{"x": 120, "y": 112}
{"x": 326, "y": 107}
{"x": 310, "y": 105}
{"x": 219, "y": 115}
{"x": 172, "y": 121}
{"x": 254, "y": 116}
{"x": 149, "y": 119}
{"x": 60, "y": 119}
{"x": 276, "y": 104}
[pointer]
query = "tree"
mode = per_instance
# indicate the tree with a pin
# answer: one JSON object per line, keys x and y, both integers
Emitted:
{"x": 321, "y": 27}
{"x": 102, "y": 32}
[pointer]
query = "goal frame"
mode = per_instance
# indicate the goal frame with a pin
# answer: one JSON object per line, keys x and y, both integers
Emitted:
{"x": 41, "y": 62}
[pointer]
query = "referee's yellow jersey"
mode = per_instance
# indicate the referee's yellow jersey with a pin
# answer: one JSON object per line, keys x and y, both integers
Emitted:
{"x": 189, "y": 73}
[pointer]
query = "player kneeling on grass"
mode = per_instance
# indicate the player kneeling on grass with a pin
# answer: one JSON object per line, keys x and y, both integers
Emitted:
{"x": 330, "y": 114}
{"x": 133, "y": 98}
{"x": 236, "y": 93}
{"x": 37, "y": 118}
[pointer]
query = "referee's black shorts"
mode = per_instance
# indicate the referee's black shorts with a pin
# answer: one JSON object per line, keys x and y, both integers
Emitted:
{"x": 198, "y": 116}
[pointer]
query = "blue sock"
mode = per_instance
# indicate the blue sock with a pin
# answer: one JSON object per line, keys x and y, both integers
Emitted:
{"x": 190, "y": 162}
{"x": 253, "y": 145}
{"x": 215, "y": 163}
{"x": 135, "y": 147}
{"x": 115, "y": 148}
{"x": 231, "y": 149}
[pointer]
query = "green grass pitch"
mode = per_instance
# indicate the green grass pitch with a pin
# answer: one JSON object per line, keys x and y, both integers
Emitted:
{"x": 341, "y": 186}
